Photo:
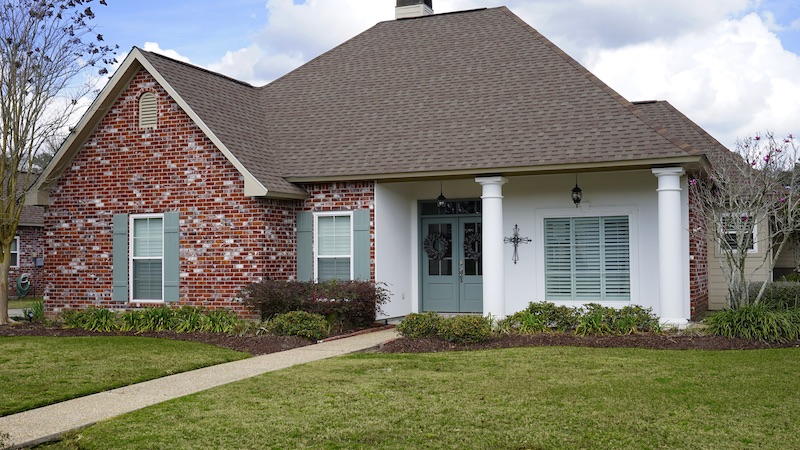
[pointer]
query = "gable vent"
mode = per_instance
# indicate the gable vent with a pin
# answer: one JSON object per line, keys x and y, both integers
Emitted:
{"x": 147, "y": 111}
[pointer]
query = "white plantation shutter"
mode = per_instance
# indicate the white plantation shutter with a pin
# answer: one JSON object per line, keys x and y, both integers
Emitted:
{"x": 587, "y": 258}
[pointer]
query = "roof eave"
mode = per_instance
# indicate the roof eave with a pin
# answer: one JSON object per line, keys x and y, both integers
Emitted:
{"x": 689, "y": 162}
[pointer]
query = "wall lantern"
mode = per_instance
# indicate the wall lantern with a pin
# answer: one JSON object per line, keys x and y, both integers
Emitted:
{"x": 441, "y": 200}
{"x": 577, "y": 194}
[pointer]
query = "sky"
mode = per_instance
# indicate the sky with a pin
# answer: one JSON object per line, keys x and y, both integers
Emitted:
{"x": 732, "y": 66}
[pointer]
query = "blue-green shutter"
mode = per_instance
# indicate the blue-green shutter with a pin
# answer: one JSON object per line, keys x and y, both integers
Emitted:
{"x": 361, "y": 245}
{"x": 119, "y": 259}
{"x": 172, "y": 257}
{"x": 305, "y": 256}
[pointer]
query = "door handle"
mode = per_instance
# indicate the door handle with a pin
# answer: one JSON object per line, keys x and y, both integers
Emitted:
{"x": 461, "y": 270}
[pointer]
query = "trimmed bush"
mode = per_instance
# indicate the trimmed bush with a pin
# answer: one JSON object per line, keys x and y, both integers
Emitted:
{"x": 756, "y": 322}
{"x": 355, "y": 303}
{"x": 465, "y": 329}
{"x": 556, "y": 318}
{"x": 420, "y": 325}
{"x": 299, "y": 323}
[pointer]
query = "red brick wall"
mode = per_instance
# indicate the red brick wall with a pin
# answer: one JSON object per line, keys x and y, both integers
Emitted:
{"x": 345, "y": 197}
{"x": 30, "y": 244}
{"x": 227, "y": 240}
{"x": 698, "y": 265}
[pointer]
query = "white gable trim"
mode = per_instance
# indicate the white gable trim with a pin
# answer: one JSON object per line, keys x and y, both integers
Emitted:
{"x": 40, "y": 192}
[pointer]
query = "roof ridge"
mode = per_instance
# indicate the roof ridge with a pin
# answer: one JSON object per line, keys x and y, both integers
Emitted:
{"x": 625, "y": 103}
{"x": 439, "y": 14}
{"x": 194, "y": 66}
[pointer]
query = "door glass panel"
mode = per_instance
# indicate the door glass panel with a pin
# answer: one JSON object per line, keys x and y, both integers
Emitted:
{"x": 473, "y": 249}
{"x": 439, "y": 249}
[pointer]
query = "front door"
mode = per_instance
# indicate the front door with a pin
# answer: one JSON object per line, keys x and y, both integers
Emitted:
{"x": 452, "y": 272}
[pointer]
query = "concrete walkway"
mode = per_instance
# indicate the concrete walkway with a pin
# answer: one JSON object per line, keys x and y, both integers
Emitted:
{"x": 50, "y": 422}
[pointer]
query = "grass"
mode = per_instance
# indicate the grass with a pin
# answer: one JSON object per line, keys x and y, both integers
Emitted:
{"x": 37, "y": 371}
{"x": 24, "y": 303}
{"x": 514, "y": 398}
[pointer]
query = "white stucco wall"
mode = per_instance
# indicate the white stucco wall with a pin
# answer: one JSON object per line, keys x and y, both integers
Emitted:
{"x": 527, "y": 200}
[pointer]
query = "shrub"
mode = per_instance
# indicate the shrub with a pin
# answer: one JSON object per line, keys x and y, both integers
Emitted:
{"x": 354, "y": 302}
{"x": 558, "y": 318}
{"x": 756, "y": 322}
{"x": 523, "y": 322}
{"x": 299, "y": 323}
{"x": 635, "y": 319}
{"x": 420, "y": 325}
{"x": 778, "y": 294}
{"x": 595, "y": 319}
{"x": 465, "y": 329}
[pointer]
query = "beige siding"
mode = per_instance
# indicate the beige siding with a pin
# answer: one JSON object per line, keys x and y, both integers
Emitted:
{"x": 717, "y": 286}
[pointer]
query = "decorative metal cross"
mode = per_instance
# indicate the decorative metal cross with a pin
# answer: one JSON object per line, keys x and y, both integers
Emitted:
{"x": 516, "y": 240}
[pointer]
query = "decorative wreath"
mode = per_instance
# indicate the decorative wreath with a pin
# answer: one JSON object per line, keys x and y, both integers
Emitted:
{"x": 435, "y": 246}
{"x": 471, "y": 243}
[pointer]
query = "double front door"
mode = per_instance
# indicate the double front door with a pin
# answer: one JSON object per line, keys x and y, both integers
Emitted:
{"x": 452, "y": 272}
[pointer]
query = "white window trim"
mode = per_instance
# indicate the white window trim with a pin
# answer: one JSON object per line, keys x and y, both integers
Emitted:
{"x": 633, "y": 241}
{"x": 18, "y": 253}
{"x": 315, "y": 239}
{"x": 749, "y": 250}
{"x": 131, "y": 220}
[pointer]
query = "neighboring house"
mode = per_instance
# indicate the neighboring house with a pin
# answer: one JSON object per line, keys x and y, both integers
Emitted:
{"x": 182, "y": 185}
{"x": 28, "y": 244}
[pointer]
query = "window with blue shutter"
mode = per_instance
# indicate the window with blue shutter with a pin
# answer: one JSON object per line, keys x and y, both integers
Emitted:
{"x": 587, "y": 258}
{"x": 333, "y": 245}
{"x": 146, "y": 257}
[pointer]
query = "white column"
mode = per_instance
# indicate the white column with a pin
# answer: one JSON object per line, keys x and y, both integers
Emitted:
{"x": 494, "y": 302}
{"x": 671, "y": 264}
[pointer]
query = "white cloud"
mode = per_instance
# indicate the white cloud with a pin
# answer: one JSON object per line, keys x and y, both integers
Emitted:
{"x": 734, "y": 79}
{"x": 155, "y": 48}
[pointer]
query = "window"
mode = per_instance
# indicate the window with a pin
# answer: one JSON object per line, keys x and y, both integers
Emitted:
{"x": 333, "y": 247}
{"x": 338, "y": 247}
{"x": 587, "y": 258}
{"x": 148, "y": 117}
{"x": 147, "y": 257}
{"x": 14, "y": 256}
{"x": 732, "y": 227}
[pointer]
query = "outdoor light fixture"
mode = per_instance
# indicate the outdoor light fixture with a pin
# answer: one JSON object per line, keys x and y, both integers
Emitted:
{"x": 577, "y": 194}
{"x": 441, "y": 200}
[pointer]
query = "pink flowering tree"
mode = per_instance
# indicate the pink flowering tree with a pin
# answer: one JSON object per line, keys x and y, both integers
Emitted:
{"x": 751, "y": 204}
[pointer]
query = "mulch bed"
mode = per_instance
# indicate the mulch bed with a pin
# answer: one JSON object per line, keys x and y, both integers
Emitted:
{"x": 260, "y": 345}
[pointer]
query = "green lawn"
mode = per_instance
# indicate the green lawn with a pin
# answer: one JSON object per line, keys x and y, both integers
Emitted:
{"x": 37, "y": 371}
{"x": 514, "y": 398}
{"x": 26, "y": 302}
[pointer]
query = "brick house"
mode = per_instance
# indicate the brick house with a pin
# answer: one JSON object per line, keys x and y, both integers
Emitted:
{"x": 28, "y": 244}
{"x": 435, "y": 153}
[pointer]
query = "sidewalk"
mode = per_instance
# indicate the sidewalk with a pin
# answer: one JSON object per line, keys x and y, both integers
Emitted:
{"x": 47, "y": 423}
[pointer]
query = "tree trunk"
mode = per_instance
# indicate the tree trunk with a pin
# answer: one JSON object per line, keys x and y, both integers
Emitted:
{"x": 5, "y": 265}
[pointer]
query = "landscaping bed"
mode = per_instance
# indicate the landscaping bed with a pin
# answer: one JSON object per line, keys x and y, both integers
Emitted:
{"x": 263, "y": 344}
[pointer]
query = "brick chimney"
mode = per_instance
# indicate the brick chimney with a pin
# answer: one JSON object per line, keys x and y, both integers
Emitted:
{"x": 413, "y": 8}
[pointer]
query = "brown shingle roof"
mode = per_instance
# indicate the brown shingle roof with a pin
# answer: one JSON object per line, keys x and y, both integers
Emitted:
{"x": 472, "y": 90}
{"x": 230, "y": 108}
{"x": 663, "y": 113}
{"x": 477, "y": 90}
